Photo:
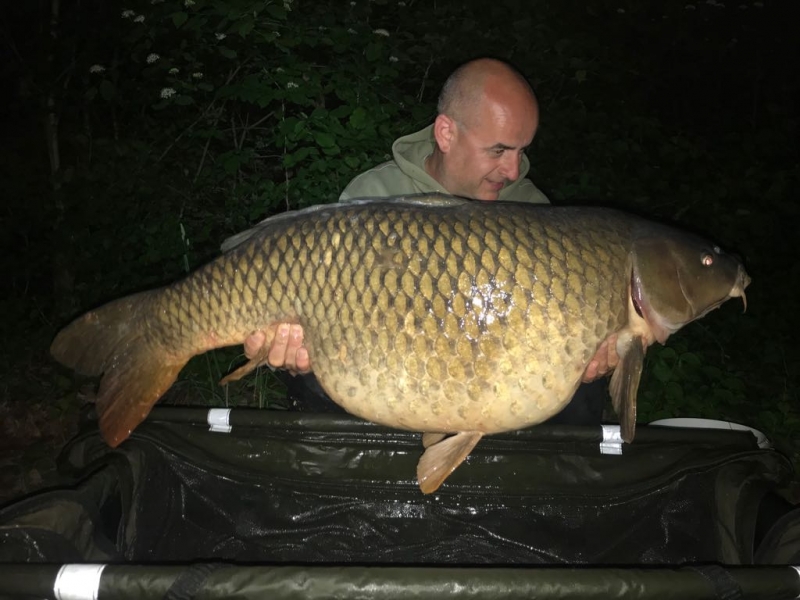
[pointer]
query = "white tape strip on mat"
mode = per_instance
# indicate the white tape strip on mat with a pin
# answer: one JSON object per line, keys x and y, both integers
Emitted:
{"x": 612, "y": 440}
{"x": 78, "y": 582}
{"x": 219, "y": 420}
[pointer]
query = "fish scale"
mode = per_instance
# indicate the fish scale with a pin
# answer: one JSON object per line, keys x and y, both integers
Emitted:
{"x": 433, "y": 314}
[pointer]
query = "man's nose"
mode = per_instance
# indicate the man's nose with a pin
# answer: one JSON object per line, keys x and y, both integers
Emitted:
{"x": 510, "y": 166}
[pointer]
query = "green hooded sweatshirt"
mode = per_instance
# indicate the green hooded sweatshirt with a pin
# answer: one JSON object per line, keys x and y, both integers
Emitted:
{"x": 406, "y": 174}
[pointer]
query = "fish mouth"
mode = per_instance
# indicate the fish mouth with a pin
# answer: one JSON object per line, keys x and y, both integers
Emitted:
{"x": 737, "y": 291}
{"x": 660, "y": 327}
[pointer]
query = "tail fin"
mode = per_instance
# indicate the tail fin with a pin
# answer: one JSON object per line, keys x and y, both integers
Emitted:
{"x": 114, "y": 341}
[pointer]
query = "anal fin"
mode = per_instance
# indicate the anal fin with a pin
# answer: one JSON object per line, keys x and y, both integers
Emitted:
{"x": 430, "y": 438}
{"x": 442, "y": 458}
{"x": 624, "y": 386}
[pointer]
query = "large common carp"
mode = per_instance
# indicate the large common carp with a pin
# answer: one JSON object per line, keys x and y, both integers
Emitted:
{"x": 432, "y": 313}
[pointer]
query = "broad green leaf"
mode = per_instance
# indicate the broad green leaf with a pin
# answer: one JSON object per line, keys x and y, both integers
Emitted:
{"x": 673, "y": 392}
{"x": 246, "y": 27}
{"x": 662, "y": 371}
{"x": 358, "y": 118}
{"x": 667, "y": 353}
{"x": 324, "y": 140}
{"x": 179, "y": 18}
{"x": 690, "y": 358}
{"x": 276, "y": 11}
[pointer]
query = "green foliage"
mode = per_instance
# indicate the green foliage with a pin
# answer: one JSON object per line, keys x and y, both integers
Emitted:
{"x": 680, "y": 382}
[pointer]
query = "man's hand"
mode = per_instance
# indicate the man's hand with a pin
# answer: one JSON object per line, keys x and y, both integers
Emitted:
{"x": 284, "y": 342}
{"x": 604, "y": 360}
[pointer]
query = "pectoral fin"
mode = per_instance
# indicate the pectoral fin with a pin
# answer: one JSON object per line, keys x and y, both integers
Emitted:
{"x": 259, "y": 359}
{"x": 248, "y": 367}
{"x": 442, "y": 458}
{"x": 625, "y": 385}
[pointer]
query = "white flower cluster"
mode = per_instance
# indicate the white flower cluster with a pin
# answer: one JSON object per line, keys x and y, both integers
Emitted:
{"x": 139, "y": 19}
{"x": 167, "y": 93}
{"x": 151, "y": 58}
{"x": 220, "y": 36}
{"x": 393, "y": 59}
{"x": 96, "y": 69}
{"x": 291, "y": 85}
{"x": 382, "y": 32}
{"x": 197, "y": 75}
{"x": 128, "y": 14}
{"x": 188, "y": 3}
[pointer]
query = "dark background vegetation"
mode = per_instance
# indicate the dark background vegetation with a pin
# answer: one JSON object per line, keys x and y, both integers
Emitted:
{"x": 680, "y": 110}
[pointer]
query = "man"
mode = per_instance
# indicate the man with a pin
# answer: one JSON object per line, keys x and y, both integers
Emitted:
{"x": 475, "y": 148}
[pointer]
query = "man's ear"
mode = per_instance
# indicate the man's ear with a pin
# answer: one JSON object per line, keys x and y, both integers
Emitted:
{"x": 444, "y": 132}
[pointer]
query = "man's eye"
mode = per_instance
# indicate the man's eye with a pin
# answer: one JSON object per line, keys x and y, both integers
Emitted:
{"x": 498, "y": 152}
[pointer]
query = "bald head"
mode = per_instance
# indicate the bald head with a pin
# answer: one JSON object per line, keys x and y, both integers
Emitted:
{"x": 487, "y": 117}
{"x": 472, "y": 84}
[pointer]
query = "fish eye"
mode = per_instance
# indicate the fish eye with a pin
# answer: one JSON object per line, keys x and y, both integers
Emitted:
{"x": 708, "y": 259}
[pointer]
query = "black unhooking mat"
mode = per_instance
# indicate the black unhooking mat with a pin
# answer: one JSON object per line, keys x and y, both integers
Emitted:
{"x": 289, "y": 495}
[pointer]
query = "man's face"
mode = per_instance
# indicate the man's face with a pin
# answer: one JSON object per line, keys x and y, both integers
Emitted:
{"x": 483, "y": 157}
